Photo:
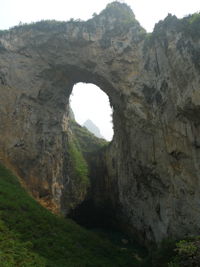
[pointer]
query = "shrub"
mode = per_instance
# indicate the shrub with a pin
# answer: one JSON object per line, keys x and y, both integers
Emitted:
{"x": 187, "y": 253}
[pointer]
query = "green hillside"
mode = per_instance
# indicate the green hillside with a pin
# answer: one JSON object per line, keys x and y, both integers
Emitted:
{"x": 32, "y": 236}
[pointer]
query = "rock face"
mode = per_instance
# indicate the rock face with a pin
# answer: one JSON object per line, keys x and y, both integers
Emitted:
{"x": 153, "y": 162}
{"x": 92, "y": 128}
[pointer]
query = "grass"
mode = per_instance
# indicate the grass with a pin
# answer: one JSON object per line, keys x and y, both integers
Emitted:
{"x": 87, "y": 141}
{"x": 14, "y": 252}
{"x": 79, "y": 164}
{"x": 32, "y": 236}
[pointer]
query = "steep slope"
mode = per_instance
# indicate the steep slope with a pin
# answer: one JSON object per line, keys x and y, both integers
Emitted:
{"x": 32, "y": 236}
{"x": 88, "y": 142}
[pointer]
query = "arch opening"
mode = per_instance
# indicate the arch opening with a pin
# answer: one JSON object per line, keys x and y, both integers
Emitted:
{"x": 89, "y": 103}
{"x": 91, "y": 108}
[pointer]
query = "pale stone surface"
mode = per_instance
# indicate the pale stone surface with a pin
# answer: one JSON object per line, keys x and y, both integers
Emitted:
{"x": 153, "y": 162}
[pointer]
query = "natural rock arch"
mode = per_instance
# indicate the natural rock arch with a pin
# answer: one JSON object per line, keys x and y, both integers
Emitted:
{"x": 152, "y": 163}
{"x": 45, "y": 61}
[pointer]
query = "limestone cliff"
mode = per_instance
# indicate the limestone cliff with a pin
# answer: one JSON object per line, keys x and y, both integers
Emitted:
{"x": 153, "y": 85}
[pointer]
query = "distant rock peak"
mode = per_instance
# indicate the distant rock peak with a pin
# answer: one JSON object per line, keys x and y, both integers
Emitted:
{"x": 93, "y": 128}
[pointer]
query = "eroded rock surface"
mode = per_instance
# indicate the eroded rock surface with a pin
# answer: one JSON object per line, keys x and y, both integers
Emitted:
{"x": 153, "y": 162}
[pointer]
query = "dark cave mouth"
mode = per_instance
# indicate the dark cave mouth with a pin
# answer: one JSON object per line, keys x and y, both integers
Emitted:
{"x": 90, "y": 216}
{"x": 103, "y": 221}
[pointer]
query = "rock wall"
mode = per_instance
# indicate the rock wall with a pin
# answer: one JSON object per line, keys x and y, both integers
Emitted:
{"x": 153, "y": 85}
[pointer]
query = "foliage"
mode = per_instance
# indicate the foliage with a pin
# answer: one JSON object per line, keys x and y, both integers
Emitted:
{"x": 124, "y": 18}
{"x": 87, "y": 141}
{"x": 44, "y": 25}
{"x": 192, "y": 25}
{"x": 171, "y": 253}
{"x": 78, "y": 162}
{"x": 122, "y": 11}
{"x": 185, "y": 247}
{"x": 195, "y": 18}
{"x": 32, "y": 236}
{"x": 14, "y": 252}
{"x": 189, "y": 26}
{"x": 187, "y": 253}
{"x": 3, "y": 32}
{"x": 40, "y": 25}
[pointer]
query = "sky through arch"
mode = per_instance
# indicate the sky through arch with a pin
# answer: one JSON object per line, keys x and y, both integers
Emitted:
{"x": 88, "y": 101}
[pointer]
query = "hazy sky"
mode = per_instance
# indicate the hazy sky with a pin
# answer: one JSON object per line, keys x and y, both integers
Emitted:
{"x": 90, "y": 102}
{"x": 147, "y": 12}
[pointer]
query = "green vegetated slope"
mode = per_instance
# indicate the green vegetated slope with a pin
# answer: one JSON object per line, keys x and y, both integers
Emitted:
{"x": 32, "y": 236}
{"x": 88, "y": 142}
{"x": 83, "y": 147}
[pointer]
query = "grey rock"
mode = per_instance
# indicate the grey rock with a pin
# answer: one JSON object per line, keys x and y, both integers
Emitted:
{"x": 153, "y": 162}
